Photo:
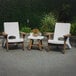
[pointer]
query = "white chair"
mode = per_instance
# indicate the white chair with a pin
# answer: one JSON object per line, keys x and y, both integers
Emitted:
{"x": 11, "y": 34}
{"x": 35, "y": 38}
{"x": 61, "y": 35}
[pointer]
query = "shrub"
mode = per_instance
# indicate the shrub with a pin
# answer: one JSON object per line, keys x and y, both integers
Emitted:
{"x": 48, "y": 22}
{"x": 26, "y": 29}
{"x": 73, "y": 28}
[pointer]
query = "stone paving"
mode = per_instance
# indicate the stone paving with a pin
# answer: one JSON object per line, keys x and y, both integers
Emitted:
{"x": 17, "y": 62}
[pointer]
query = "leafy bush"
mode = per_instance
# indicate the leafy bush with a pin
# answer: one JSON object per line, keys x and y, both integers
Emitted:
{"x": 73, "y": 28}
{"x": 48, "y": 22}
{"x": 26, "y": 29}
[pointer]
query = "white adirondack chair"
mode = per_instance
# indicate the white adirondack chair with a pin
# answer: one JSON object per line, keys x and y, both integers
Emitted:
{"x": 62, "y": 30}
{"x": 12, "y": 35}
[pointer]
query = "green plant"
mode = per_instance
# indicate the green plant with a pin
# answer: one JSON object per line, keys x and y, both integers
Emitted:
{"x": 48, "y": 22}
{"x": 26, "y": 29}
{"x": 73, "y": 28}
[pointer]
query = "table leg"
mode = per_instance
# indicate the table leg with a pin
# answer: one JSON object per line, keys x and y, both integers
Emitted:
{"x": 40, "y": 44}
{"x": 30, "y": 43}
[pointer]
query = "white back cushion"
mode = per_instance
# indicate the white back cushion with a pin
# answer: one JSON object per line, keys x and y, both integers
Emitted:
{"x": 61, "y": 29}
{"x": 12, "y": 29}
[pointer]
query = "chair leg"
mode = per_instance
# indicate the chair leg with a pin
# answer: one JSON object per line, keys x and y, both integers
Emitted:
{"x": 69, "y": 45}
{"x": 23, "y": 45}
{"x": 48, "y": 47}
{"x": 6, "y": 45}
{"x": 64, "y": 46}
{"x": 30, "y": 44}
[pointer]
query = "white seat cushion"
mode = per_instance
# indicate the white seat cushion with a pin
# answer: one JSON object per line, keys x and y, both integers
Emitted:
{"x": 15, "y": 40}
{"x": 55, "y": 41}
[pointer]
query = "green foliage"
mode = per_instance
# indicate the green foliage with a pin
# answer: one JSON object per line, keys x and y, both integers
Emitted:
{"x": 26, "y": 29}
{"x": 64, "y": 13}
{"x": 21, "y": 10}
{"x": 73, "y": 28}
{"x": 34, "y": 20}
{"x": 48, "y": 23}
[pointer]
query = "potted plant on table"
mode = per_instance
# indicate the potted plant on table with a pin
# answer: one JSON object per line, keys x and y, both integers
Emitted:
{"x": 36, "y": 32}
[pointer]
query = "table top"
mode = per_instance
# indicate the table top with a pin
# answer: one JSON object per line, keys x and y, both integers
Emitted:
{"x": 36, "y": 37}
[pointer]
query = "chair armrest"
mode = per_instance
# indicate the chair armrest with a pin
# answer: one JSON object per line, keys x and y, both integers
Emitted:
{"x": 49, "y": 35}
{"x": 66, "y": 36}
{"x": 22, "y": 34}
{"x": 4, "y": 34}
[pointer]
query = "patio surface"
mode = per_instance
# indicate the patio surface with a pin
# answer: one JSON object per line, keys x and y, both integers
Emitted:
{"x": 17, "y": 62}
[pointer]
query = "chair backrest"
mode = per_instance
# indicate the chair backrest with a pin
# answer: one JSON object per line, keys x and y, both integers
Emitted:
{"x": 12, "y": 29}
{"x": 61, "y": 29}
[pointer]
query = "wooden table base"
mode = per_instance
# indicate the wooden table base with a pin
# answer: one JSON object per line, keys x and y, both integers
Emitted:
{"x": 31, "y": 43}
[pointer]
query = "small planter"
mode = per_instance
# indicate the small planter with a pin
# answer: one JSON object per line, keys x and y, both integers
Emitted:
{"x": 73, "y": 41}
